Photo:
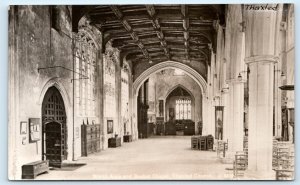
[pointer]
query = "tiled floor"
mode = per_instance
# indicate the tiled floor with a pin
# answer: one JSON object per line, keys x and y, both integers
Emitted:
{"x": 160, "y": 158}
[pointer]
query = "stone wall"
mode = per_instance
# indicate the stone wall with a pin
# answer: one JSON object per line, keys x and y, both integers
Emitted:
{"x": 34, "y": 44}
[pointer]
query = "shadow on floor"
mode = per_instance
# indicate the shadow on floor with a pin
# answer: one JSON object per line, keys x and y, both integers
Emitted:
{"x": 68, "y": 167}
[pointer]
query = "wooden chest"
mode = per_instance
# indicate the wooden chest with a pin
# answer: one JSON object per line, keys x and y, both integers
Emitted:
{"x": 127, "y": 138}
{"x": 114, "y": 142}
{"x": 170, "y": 128}
{"x": 31, "y": 170}
{"x": 90, "y": 139}
{"x": 189, "y": 127}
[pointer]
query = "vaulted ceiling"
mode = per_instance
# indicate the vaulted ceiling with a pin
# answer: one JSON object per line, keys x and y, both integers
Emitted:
{"x": 156, "y": 33}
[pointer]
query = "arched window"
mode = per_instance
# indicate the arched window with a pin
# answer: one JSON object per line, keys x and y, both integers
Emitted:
{"x": 183, "y": 109}
{"x": 85, "y": 67}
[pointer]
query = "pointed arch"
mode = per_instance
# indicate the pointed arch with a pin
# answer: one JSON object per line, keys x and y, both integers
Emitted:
{"x": 175, "y": 87}
{"x": 173, "y": 65}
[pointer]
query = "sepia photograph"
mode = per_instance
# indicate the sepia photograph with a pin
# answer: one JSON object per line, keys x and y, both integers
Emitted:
{"x": 151, "y": 92}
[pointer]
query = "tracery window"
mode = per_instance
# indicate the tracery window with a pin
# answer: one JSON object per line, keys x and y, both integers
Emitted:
{"x": 85, "y": 67}
{"x": 183, "y": 109}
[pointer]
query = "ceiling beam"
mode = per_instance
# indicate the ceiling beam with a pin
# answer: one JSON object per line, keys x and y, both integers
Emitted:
{"x": 157, "y": 27}
{"x": 185, "y": 25}
{"x": 129, "y": 29}
{"x": 123, "y": 41}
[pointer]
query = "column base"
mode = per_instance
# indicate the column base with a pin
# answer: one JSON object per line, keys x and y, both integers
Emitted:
{"x": 259, "y": 175}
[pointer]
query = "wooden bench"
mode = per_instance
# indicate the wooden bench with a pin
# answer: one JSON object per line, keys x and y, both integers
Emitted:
{"x": 31, "y": 170}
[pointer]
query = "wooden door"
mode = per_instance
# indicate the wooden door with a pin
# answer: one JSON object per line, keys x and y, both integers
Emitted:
{"x": 54, "y": 137}
{"x": 53, "y": 143}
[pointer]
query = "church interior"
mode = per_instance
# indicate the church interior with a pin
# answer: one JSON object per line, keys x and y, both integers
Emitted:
{"x": 199, "y": 92}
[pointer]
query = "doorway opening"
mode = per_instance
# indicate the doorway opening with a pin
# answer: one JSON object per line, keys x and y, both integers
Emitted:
{"x": 54, "y": 128}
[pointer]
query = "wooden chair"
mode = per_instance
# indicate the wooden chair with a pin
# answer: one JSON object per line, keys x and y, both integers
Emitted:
{"x": 240, "y": 164}
{"x": 283, "y": 160}
{"x": 202, "y": 143}
{"x": 195, "y": 142}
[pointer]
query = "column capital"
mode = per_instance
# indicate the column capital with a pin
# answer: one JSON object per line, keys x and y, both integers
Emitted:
{"x": 235, "y": 81}
{"x": 262, "y": 59}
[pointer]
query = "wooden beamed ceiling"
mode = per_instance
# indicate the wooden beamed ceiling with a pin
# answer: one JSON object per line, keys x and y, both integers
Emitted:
{"x": 159, "y": 32}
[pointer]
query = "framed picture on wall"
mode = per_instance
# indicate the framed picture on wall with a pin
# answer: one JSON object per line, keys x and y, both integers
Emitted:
{"x": 219, "y": 122}
{"x": 110, "y": 126}
{"x": 23, "y": 128}
{"x": 34, "y": 130}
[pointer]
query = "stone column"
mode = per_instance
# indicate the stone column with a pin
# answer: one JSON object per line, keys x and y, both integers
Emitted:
{"x": 260, "y": 113}
{"x": 205, "y": 119}
{"x": 260, "y": 49}
{"x": 236, "y": 112}
{"x": 119, "y": 128}
{"x": 280, "y": 47}
{"x": 277, "y": 101}
{"x": 130, "y": 103}
{"x": 134, "y": 115}
{"x": 99, "y": 85}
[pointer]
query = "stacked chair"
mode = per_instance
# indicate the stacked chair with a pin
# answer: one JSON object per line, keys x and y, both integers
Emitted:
{"x": 283, "y": 160}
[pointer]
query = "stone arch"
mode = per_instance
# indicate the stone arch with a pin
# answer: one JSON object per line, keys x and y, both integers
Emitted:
{"x": 161, "y": 66}
{"x": 54, "y": 119}
{"x": 175, "y": 87}
{"x": 166, "y": 65}
{"x": 90, "y": 31}
{"x": 55, "y": 82}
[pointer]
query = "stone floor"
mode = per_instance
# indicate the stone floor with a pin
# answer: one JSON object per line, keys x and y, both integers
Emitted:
{"x": 156, "y": 158}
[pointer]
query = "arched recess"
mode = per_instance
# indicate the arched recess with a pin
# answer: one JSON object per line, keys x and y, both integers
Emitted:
{"x": 54, "y": 128}
{"x": 174, "y": 88}
{"x": 55, "y": 82}
{"x": 168, "y": 65}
